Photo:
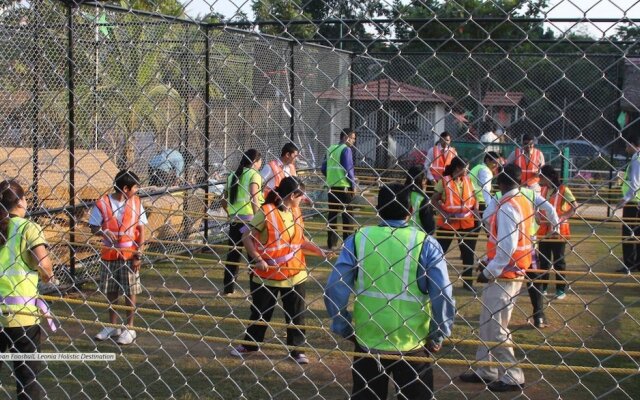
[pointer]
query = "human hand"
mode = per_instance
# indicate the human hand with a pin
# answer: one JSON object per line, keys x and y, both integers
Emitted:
{"x": 261, "y": 265}
{"x": 434, "y": 346}
{"x": 136, "y": 263}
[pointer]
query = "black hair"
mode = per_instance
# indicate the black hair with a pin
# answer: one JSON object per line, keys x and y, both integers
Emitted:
{"x": 248, "y": 158}
{"x": 527, "y": 138}
{"x": 445, "y": 134}
{"x": 415, "y": 175}
{"x": 551, "y": 174}
{"x": 393, "y": 202}
{"x": 456, "y": 163}
{"x": 287, "y": 186}
{"x": 491, "y": 156}
{"x": 288, "y": 148}
{"x": 125, "y": 178}
{"x": 10, "y": 194}
{"x": 510, "y": 176}
{"x": 344, "y": 134}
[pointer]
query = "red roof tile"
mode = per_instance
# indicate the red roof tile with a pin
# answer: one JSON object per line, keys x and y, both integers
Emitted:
{"x": 511, "y": 99}
{"x": 386, "y": 90}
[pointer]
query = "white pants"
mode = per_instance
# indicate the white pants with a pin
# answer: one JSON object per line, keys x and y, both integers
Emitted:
{"x": 498, "y": 300}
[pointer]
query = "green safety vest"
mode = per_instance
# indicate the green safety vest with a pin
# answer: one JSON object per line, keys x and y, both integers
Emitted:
{"x": 625, "y": 184}
{"x": 416, "y": 199}
{"x": 336, "y": 174}
{"x": 390, "y": 313}
{"x": 477, "y": 186}
{"x": 242, "y": 205}
{"x": 17, "y": 279}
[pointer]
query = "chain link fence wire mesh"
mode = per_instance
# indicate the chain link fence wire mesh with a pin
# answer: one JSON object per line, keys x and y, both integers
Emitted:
{"x": 90, "y": 89}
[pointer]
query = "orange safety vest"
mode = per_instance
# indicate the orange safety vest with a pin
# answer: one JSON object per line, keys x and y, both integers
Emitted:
{"x": 440, "y": 161}
{"x": 530, "y": 167}
{"x": 561, "y": 206}
{"x": 126, "y": 231}
{"x": 281, "y": 251}
{"x": 460, "y": 205}
{"x": 278, "y": 174}
{"x": 523, "y": 256}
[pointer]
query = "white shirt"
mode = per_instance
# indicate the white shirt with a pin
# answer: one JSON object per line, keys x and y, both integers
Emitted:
{"x": 95, "y": 217}
{"x": 267, "y": 174}
{"x": 507, "y": 237}
{"x": 429, "y": 159}
{"x": 488, "y": 139}
{"x": 484, "y": 179}
{"x": 633, "y": 179}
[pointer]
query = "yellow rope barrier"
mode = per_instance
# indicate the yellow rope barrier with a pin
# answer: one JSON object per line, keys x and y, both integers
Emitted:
{"x": 327, "y": 352}
{"x": 221, "y": 320}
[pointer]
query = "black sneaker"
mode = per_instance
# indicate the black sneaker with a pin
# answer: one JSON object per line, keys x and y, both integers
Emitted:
{"x": 500, "y": 386}
{"x": 472, "y": 377}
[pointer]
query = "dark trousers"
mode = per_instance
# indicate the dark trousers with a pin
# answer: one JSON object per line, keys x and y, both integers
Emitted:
{"x": 339, "y": 204}
{"x": 413, "y": 380}
{"x": 24, "y": 340}
{"x": 234, "y": 256}
{"x": 263, "y": 303}
{"x": 631, "y": 249}
{"x": 535, "y": 289}
{"x": 467, "y": 239}
{"x": 553, "y": 252}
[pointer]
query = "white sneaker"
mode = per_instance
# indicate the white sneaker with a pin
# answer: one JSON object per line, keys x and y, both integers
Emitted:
{"x": 107, "y": 333}
{"x": 127, "y": 337}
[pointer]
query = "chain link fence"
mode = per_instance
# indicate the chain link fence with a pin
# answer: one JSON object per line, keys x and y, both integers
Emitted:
{"x": 90, "y": 89}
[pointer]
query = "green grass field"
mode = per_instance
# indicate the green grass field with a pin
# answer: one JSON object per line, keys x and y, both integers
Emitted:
{"x": 168, "y": 365}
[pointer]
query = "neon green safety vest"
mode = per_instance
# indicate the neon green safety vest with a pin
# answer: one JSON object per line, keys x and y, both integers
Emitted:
{"x": 17, "y": 279}
{"x": 477, "y": 185}
{"x": 336, "y": 174}
{"x": 242, "y": 205}
{"x": 390, "y": 313}
{"x": 416, "y": 199}
{"x": 625, "y": 184}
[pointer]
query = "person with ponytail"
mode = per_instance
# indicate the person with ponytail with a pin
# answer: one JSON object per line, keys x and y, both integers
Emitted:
{"x": 456, "y": 202}
{"x": 275, "y": 243}
{"x": 24, "y": 259}
{"x": 243, "y": 198}
{"x": 553, "y": 248}
{"x": 420, "y": 206}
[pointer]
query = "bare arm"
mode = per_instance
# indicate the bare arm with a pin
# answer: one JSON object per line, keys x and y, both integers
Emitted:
{"x": 570, "y": 212}
{"x": 313, "y": 248}
{"x": 41, "y": 262}
{"x": 252, "y": 252}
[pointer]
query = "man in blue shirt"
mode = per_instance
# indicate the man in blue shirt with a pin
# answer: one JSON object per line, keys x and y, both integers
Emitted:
{"x": 165, "y": 168}
{"x": 394, "y": 270}
{"x": 340, "y": 179}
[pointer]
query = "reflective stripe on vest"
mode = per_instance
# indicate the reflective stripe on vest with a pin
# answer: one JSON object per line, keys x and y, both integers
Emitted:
{"x": 282, "y": 250}
{"x": 125, "y": 230}
{"x": 459, "y": 203}
{"x": 522, "y": 256}
{"x": 336, "y": 174}
{"x": 560, "y": 205}
{"x": 18, "y": 282}
{"x": 477, "y": 185}
{"x": 441, "y": 160}
{"x": 390, "y": 312}
{"x": 530, "y": 166}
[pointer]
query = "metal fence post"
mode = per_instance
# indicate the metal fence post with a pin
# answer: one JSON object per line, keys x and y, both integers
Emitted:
{"x": 292, "y": 92}
{"x": 71, "y": 140}
{"x": 207, "y": 138}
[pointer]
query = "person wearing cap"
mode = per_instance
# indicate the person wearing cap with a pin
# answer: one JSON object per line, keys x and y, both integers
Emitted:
{"x": 403, "y": 302}
{"x": 530, "y": 160}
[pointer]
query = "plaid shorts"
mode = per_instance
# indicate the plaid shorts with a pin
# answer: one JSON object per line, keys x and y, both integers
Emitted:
{"x": 118, "y": 277}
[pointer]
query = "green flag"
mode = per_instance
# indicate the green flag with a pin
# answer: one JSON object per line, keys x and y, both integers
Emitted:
{"x": 622, "y": 119}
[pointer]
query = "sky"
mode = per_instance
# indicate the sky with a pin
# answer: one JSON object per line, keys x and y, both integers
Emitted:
{"x": 557, "y": 9}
